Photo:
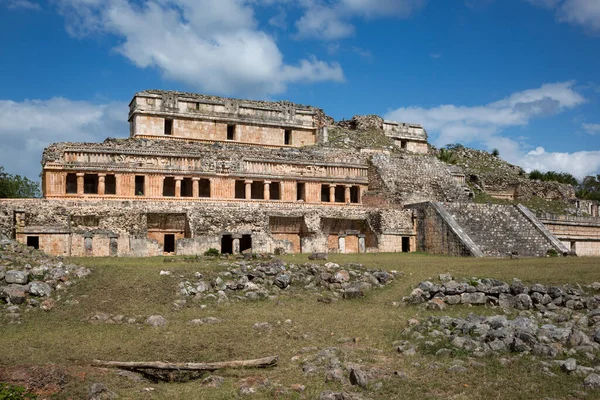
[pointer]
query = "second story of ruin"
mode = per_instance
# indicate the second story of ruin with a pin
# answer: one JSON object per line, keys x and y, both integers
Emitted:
{"x": 158, "y": 169}
{"x": 180, "y": 116}
{"x": 157, "y": 114}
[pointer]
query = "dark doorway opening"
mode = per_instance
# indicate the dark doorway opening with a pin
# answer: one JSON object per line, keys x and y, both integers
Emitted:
{"x": 169, "y": 187}
{"x": 230, "y": 132}
{"x": 240, "y": 190}
{"x": 90, "y": 184}
{"x": 169, "y": 243}
{"x": 110, "y": 184}
{"x": 186, "y": 187}
{"x": 405, "y": 244}
{"x": 246, "y": 243}
{"x": 168, "y": 126}
{"x": 287, "y": 137}
{"x": 275, "y": 191}
{"x": 204, "y": 188}
{"x": 340, "y": 194}
{"x": 226, "y": 244}
{"x": 257, "y": 190}
{"x": 71, "y": 183}
{"x": 33, "y": 241}
{"x": 354, "y": 194}
{"x": 325, "y": 193}
{"x": 113, "y": 247}
{"x": 139, "y": 185}
{"x": 300, "y": 191}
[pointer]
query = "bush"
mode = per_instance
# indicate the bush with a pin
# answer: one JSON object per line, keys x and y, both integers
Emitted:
{"x": 552, "y": 253}
{"x": 212, "y": 252}
{"x": 495, "y": 152}
{"x": 8, "y": 392}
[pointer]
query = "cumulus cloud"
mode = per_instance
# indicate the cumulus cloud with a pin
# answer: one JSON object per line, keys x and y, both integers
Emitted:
{"x": 28, "y": 126}
{"x": 483, "y": 124}
{"x": 592, "y": 129}
{"x": 332, "y": 20}
{"x": 21, "y": 4}
{"x": 585, "y": 13}
{"x": 211, "y": 45}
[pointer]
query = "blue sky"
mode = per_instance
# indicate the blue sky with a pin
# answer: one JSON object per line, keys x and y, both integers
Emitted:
{"x": 518, "y": 75}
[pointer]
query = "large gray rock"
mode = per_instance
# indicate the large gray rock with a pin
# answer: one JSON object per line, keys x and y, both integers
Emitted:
{"x": 14, "y": 294}
{"x": 283, "y": 281}
{"x": 473, "y": 298}
{"x": 16, "y": 276}
{"x": 358, "y": 377}
{"x": 569, "y": 365}
{"x": 523, "y": 302}
{"x": 156, "y": 321}
{"x": 98, "y": 391}
{"x": 42, "y": 289}
{"x": 592, "y": 381}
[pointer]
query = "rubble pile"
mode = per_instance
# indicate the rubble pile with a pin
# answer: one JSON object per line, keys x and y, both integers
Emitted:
{"x": 261, "y": 280}
{"x": 29, "y": 278}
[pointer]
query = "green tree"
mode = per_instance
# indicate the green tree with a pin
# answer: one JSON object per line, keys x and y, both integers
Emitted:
{"x": 589, "y": 188}
{"x": 17, "y": 186}
{"x": 495, "y": 152}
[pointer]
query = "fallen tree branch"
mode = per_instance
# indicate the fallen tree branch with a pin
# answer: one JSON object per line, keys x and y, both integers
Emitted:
{"x": 257, "y": 363}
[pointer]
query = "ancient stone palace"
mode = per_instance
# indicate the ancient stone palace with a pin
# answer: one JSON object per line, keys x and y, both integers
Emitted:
{"x": 200, "y": 172}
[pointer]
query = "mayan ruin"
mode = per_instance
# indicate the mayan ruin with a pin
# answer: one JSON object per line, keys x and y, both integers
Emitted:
{"x": 201, "y": 172}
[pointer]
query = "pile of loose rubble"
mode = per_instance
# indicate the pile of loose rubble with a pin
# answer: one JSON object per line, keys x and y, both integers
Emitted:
{"x": 498, "y": 293}
{"x": 246, "y": 280}
{"x": 552, "y": 321}
{"x": 29, "y": 278}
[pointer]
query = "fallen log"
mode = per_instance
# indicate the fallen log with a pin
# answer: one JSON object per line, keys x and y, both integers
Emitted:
{"x": 257, "y": 363}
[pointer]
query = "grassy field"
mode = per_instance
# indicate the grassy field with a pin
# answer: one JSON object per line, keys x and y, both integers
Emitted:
{"x": 133, "y": 287}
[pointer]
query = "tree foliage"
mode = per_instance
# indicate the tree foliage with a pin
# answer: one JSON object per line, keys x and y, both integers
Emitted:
{"x": 589, "y": 188}
{"x": 17, "y": 186}
{"x": 552, "y": 176}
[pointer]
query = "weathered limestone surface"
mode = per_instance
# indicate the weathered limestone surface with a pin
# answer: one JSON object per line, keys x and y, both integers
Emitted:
{"x": 580, "y": 234}
{"x": 500, "y": 230}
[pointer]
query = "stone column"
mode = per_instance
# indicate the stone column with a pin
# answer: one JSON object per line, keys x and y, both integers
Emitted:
{"x": 196, "y": 187}
{"x": 80, "y": 182}
{"x": 347, "y": 194}
{"x": 267, "y": 190}
{"x": 332, "y": 193}
{"x": 236, "y": 244}
{"x": 178, "y": 180}
{"x": 342, "y": 243}
{"x": 248, "y": 190}
{"x": 362, "y": 246}
{"x": 101, "y": 186}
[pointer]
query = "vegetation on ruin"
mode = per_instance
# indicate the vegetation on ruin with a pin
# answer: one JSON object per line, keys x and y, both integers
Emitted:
{"x": 17, "y": 186}
{"x": 64, "y": 340}
{"x": 589, "y": 188}
{"x": 552, "y": 176}
{"x": 534, "y": 203}
{"x": 341, "y": 137}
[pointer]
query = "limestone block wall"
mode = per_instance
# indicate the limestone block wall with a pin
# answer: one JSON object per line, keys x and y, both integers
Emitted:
{"x": 411, "y": 178}
{"x": 121, "y": 227}
{"x": 438, "y": 233}
{"x": 579, "y": 234}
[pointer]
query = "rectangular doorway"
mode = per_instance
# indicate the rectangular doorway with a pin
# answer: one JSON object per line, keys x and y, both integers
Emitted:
{"x": 246, "y": 243}
{"x": 169, "y": 246}
{"x": 33, "y": 241}
{"x": 226, "y": 244}
{"x": 405, "y": 244}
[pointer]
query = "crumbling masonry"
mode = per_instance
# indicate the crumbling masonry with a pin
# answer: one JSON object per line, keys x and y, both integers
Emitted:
{"x": 201, "y": 172}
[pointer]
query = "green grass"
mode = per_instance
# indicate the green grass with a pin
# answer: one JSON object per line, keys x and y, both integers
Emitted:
{"x": 133, "y": 287}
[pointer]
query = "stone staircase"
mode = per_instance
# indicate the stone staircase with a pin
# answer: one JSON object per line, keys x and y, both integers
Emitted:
{"x": 499, "y": 230}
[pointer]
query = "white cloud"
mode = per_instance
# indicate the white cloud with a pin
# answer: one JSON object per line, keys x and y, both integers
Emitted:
{"x": 332, "y": 20}
{"x": 28, "y": 126}
{"x": 482, "y": 124}
{"x": 592, "y": 129}
{"x": 21, "y": 4}
{"x": 585, "y": 13}
{"x": 211, "y": 45}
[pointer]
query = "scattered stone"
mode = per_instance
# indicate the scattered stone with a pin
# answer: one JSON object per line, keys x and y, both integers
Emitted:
{"x": 592, "y": 381}
{"x": 262, "y": 326}
{"x": 98, "y": 391}
{"x": 156, "y": 321}
{"x": 213, "y": 381}
{"x": 358, "y": 377}
{"x": 16, "y": 276}
{"x": 569, "y": 365}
